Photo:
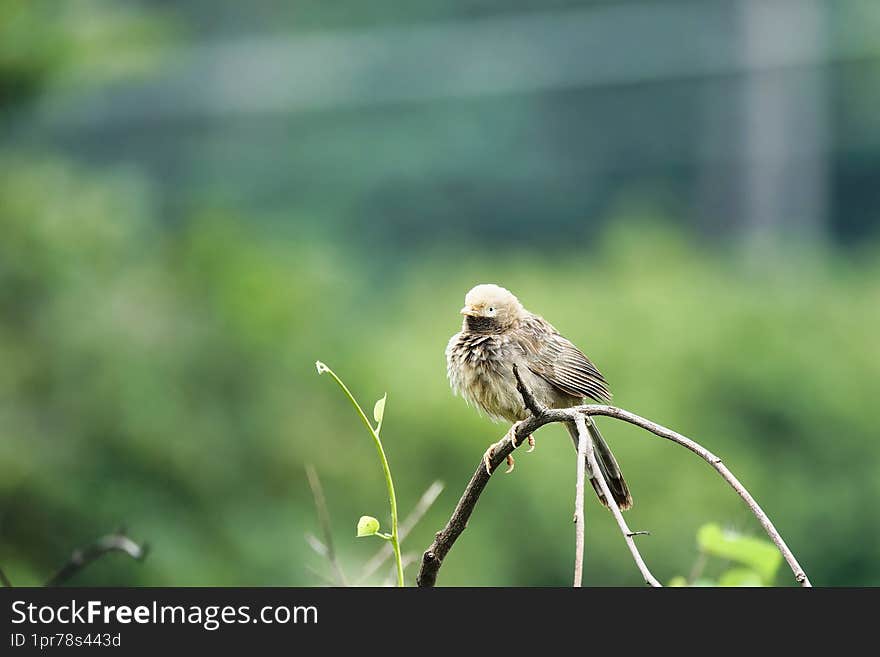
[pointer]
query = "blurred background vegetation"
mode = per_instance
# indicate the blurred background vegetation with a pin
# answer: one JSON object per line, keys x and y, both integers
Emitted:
{"x": 200, "y": 199}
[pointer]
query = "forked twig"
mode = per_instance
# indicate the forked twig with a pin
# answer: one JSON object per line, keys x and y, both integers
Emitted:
{"x": 612, "y": 503}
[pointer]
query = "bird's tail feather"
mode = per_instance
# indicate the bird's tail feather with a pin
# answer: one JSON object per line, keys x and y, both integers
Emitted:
{"x": 608, "y": 466}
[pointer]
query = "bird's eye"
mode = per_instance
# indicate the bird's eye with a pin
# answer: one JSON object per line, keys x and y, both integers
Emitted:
{"x": 491, "y": 310}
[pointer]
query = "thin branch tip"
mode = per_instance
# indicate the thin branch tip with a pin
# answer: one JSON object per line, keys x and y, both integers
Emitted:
{"x": 82, "y": 557}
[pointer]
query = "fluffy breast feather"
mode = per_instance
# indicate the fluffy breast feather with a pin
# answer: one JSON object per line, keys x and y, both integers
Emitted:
{"x": 475, "y": 366}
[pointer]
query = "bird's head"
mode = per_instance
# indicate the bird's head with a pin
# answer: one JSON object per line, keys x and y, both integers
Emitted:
{"x": 490, "y": 308}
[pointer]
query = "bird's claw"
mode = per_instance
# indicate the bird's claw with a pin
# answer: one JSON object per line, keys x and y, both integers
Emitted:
{"x": 531, "y": 444}
{"x": 487, "y": 461}
{"x": 490, "y": 452}
{"x": 511, "y": 435}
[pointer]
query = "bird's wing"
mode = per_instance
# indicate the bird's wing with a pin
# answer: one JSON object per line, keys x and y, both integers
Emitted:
{"x": 556, "y": 360}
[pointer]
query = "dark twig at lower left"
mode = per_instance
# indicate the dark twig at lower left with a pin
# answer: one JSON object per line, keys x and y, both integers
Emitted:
{"x": 82, "y": 557}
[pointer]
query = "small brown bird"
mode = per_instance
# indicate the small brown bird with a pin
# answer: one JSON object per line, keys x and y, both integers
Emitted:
{"x": 497, "y": 332}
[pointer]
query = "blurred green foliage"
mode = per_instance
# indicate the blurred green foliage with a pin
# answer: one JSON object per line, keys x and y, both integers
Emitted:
{"x": 74, "y": 43}
{"x": 755, "y": 560}
{"x": 759, "y": 555}
{"x": 164, "y": 379}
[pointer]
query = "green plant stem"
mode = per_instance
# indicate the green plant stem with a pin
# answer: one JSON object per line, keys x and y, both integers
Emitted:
{"x": 395, "y": 541}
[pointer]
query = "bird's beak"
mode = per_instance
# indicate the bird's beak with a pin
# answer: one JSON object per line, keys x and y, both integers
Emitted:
{"x": 469, "y": 310}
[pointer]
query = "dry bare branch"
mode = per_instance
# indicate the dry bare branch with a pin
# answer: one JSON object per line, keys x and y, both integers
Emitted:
{"x": 433, "y": 557}
{"x": 583, "y": 440}
{"x": 612, "y": 503}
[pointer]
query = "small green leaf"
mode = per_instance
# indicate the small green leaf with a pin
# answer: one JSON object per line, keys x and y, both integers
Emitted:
{"x": 740, "y": 577}
{"x": 759, "y": 555}
{"x": 367, "y": 526}
{"x": 379, "y": 409}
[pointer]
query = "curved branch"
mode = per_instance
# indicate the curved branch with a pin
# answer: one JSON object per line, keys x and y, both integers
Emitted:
{"x": 104, "y": 545}
{"x": 445, "y": 539}
{"x": 713, "y": 460}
